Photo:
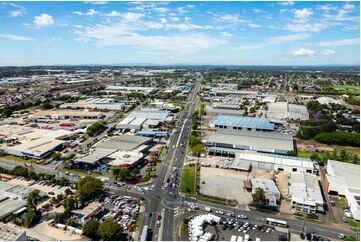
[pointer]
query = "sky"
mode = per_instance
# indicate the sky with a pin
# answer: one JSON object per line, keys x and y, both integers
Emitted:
{"x": 167, "y": 33}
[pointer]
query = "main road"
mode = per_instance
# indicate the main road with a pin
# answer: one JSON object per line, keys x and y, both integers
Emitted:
{"x": 161, "y": 200}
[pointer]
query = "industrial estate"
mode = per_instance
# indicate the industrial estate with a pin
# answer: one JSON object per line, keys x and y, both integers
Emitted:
{"x": 179, "y": 152}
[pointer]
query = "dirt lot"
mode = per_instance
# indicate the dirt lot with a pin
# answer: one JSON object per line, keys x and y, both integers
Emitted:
{"x": 225, "y": 183}
{"x": 311, "y": 145}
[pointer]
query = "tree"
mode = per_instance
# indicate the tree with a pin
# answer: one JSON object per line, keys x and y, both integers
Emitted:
{"x": 124, "y": 174}
{"x": 60, "y": 218}
{"x": 116, "y": 172}
{"x": 32, "y": 199}
{"x": 89, "y": 187}
{"x": 90, "y": 229}
{"x": 109, "y": 230}
{"x": 32, "y": 217}
{"x": 20, "y": 171}
{"x": 259, "y": 198}
{"x": 70, "y": 203}
{"x": 135, "y": 172}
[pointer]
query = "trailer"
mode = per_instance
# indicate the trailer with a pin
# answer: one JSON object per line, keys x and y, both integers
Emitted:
{"x": 144, "y": 235}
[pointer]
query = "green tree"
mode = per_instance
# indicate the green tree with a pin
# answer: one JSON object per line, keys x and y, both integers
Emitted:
{"x": 90, "y": 229}
{"x": 109, "y": 230}
{"x": 89, "y": 187}
{"x": 32, "y": 199}
{"x": 32, "y": 217}
{"x": 135, "y": 172}
{"x": 124, "y": 174}
{"x": 116, "y": 172}
{"x": 259, "y": 198}
{"x": 70, "y": 203}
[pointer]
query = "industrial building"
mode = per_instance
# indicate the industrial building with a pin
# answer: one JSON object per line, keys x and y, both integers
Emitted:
{"x": 115, "y": 151}
{"x": 10, "y": 233}
{"x": 270, "y": 189}
{"x": 33, "y": 142}
{"x": 107, "y": 104}
{"x": 145, "y": 118}
{"x": 277, "y": 162}
{"x": 241, "y": 123}
{"x": 305, "y": 193}
{"x": 67, "y": 114}
{"x": 286, "y": 111}
{"x": 328, "y": 100}
{"x": 124, "y": 89}
{"x": 343, "y": 179}
{"x": 225, "y": 108}
{"x": 13, "y": 199}
{"x": 230, "y": 142}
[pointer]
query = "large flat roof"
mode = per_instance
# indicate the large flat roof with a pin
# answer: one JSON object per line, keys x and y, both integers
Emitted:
{"x": 66, "y": 112}
{"x": 123, "y": 142}
{"x": 241, "y": 121}
{"x": 349, "y": 172}
{"x": 253, "y": 138}
{"x": 305, "y": 189}
{"x": 161, "y": 115}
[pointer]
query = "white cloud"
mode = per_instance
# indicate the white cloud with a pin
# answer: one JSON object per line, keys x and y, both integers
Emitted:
{"x": 43, "y": 20}
{"x": 306, "y": 27}
{"x": 161, "y": 9}
{"x": 17, "y": 13}
{"x": 254, "y": 25}
{"x": 329, "y": 52}
{"x": 255, "y": 10}
{"x": 327, "y": 7}
{"x": 288, "y": 38}
{"x": 303, "y": 52}
{"x": 163, "y": 20}
{"x": 113, "y": 14}
{"x": 234, "y": 19}
{"x": 16, "y": 37}
{"x": 348, "y": 6}
{"x": 96, "y": 2}
{"x": 187, "y": 26}
{"x": 339, "y": 42}
{"x": 91, "y": 13}
{"x": 175, "y": 19}
{"x": 132, "y": 17}
{"x": 287, "y": 3}
{"x": 302, "y": 14}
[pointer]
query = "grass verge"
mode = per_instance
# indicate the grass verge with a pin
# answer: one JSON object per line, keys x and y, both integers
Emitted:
{"x": 343, "y": 202}
{"x": 188, "y": 183}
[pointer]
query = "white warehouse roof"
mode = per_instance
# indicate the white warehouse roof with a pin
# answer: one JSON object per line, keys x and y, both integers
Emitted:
{"x": 284, "y": 110}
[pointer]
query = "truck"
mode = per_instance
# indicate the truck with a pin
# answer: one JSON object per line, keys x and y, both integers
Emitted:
{"x": 144, "y": 234}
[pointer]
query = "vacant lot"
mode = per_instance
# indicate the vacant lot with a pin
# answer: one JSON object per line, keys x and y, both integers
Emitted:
{"x": 228, "y": 184}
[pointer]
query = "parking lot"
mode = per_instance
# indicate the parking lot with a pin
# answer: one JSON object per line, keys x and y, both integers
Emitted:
{"x": 228, "y": 184}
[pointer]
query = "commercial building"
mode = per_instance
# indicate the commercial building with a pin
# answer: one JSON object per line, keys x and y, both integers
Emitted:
{"x": 124, "y": 89}
{"x": 328, "y": 100}
{"x": 153, "y": 133}
{"x": 67, "y": 114}
{"x": 343, "y": 179}
{"x": 105, "y": 152}
{"x": 10, "y": 233}
{"x": 13, "y": 199}
{"x": 305, "y": 193}
{"x": 125, "y": 159}
{"x": 131, "y": 123}
{"x": 107, "y": 104}
{"x": 33, "y": 142}
{"x": 241, "y": 123}
{"x": 270, "y": 189}
{"x": 278, "y": 162}
{"x": 155, "y": 114}
{"x": 286, "y": 111}
{"x": 230, "y": 142}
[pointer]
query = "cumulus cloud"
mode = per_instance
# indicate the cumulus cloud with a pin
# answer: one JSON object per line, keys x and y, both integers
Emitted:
{"x": 329, "y": 52}
{"x": 302, "y": 52}
{"x": 254, "y": 25}
{"x": 96, "y": 2}
{"x": 43, "y": 20}
{"x": 287, "y": 3}
{"x": 15, "y": 37}
{"x": 303, "y": 14}
{"x": 231, "y": 18}
{"x": 91, "y": 12}
{"x": 340, "y": 42}
{"x": 113, "y": 14}
{"x": 16, "y": 13}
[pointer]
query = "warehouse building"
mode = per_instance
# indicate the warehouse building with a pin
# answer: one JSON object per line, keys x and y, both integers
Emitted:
{"x": 108, "y": 151}
{"x": 328, "y": 100}
{"x": 10, "y": 233}
{"x": 13, "y": 199}
{"x": 131, "y": 123}
{"x": 305, "y": 193}
{"x": 286, "y": 111}
{"x": 270, "y": 189}
{"x": 66, "y": 114}
{"x": 278, "y": 162}
{"x": 241, "y": 123}
{"x": 107, "y": 104}
{"x": 230, "y": 142}
{"x": 343, "y": 179}
{"x": 124, "y": 90}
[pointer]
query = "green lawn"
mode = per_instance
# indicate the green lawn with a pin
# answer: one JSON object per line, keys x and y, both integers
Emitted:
{"x": 161, "y": 154}
{"x": 345, "y": 89}
{"x": 349, "y": 149}
{"x": 17, "y": 159}
{"x": 138, "y": 223}
{"x": 188, "y": 183}
{"x": 354, "y": 225}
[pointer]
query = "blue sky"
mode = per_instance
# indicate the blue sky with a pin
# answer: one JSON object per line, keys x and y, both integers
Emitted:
{"x": 225, "y": 33}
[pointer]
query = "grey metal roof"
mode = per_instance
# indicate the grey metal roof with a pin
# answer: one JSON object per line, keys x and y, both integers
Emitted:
{"x": 150, "y": 114}
{"x": 241, "y": 121}
{"x": 123, "y": 142}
